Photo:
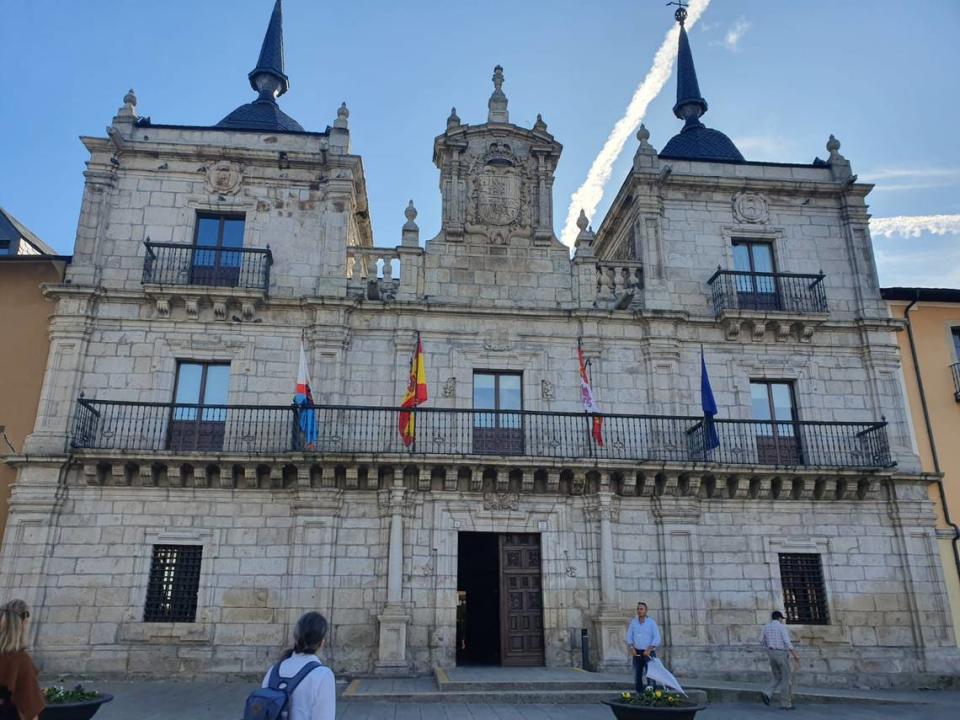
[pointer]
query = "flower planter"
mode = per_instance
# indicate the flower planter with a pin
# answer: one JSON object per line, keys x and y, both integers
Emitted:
{"x": 76, "y": 710}
{"x": 631, "y": 711}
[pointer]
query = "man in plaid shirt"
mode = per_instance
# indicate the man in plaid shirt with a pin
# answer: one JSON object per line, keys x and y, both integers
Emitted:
{"x": 776, "y": 639}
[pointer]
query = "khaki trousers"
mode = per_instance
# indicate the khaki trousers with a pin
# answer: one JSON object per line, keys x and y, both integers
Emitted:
{"x": 782, "y": 676}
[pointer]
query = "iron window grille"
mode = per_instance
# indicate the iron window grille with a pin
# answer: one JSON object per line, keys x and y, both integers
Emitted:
{"x": 804, "y": 591}
{"x": 174, "y": 583}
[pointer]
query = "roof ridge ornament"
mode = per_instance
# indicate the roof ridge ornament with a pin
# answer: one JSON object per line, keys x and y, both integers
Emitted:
{"x": 497, "y": 105}
{"x": 681, "y": 13}
{"x": 268, "y": 78}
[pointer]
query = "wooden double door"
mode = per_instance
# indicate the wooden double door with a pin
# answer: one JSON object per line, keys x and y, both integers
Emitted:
{"x": 501, "y": 599}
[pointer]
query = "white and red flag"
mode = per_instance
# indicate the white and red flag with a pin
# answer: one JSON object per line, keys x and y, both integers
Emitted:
{"x": 586, "y": 394}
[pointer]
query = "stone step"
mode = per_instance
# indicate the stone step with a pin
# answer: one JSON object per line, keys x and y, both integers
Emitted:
{"x": 485, "y": 697}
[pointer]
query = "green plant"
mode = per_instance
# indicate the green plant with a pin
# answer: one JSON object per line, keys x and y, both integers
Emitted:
{"x": 57, "y": 695}
{"x": 655, "y": 698}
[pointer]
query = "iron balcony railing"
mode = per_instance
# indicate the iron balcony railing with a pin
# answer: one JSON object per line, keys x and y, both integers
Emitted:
{"x": 252, "y": 429}
{"x": 179, "y": 264}
{"x": 955, "y": 369}
{"x": 759, "y": 291}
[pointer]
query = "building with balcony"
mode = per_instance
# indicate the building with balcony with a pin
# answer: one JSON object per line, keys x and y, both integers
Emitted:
{"x": 175, "y": 512}
{"x": 930, "y": 348}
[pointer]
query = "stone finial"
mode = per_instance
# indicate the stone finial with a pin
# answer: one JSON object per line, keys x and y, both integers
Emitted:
{"x": 839, "y": 166}
{"x": 584, "y": 242}
{"x": 497, "y": 105}
{"x": 130, "y": 98}
{"x": 539, "y": 125}
{"x": 410, "y": 237}
{"x": 833, "y": 147}
{"x": 129, "y": 108}
{"x": 454, "y": 119}
{"x": 342, "y": 115}
{"x": 643, "y": 134}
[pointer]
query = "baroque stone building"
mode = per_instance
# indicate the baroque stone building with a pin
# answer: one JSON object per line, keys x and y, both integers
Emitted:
{"x": 175, "y": 513}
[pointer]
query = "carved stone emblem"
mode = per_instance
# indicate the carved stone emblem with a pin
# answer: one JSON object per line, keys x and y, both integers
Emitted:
{"x": 450, "y": 387}
{"x": 501, "y": 501}
{"x": 546, "y": 390}
{"x": 750, "y": 208}
{"x": 224, "y": 177}
{"x": 498, "y": 195}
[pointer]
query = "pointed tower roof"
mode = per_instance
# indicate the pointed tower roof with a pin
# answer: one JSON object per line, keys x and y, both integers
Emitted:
{"x": 695, "y": 141}
{"x": 271, "y": 53}
{"x": 270, "y": 82}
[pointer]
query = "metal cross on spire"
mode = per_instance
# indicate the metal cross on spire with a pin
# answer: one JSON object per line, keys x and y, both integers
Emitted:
{"x": 681, "y": 13}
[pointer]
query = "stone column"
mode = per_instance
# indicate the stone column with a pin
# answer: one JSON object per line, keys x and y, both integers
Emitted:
{"x": 394, "y": 618}
{"x": 611, "y": 622}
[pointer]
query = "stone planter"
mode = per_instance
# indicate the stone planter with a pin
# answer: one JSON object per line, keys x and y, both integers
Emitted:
{"x": 75, "y": 711}
{"x": 628, "y": 711}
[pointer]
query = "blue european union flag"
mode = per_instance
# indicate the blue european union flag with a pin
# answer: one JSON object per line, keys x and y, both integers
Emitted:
{"x": 710, "y": 438}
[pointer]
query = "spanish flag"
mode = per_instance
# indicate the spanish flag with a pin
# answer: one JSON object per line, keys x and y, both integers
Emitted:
{"x": 586, "y": 394}
{"x": 416, "y": 395}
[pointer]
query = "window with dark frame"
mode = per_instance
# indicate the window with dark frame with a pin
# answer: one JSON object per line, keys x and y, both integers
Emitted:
{"x": 501, "y": 431}
{"x": 757, "y": 287}
{"x": 5, "y": 247}
{"x": 804, "y": 591}
{"x": 955, "y": 332}
{"x": 174, "y": 584}
{"x": 198, "y": 418}
{"x": 773, "y": 404}
{"x": 217, "y": 241}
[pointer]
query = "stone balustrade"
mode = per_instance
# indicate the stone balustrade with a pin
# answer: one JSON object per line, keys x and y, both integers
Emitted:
{"x": 371, "y": 273}
{"x": 619, "y": 283}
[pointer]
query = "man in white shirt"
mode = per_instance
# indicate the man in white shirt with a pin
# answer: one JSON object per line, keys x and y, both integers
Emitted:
{"x": 643, "y": 639}
{"x": 776, "y": 639}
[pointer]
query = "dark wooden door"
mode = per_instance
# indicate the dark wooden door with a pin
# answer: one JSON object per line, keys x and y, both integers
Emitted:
{"x": 521, "y": 600}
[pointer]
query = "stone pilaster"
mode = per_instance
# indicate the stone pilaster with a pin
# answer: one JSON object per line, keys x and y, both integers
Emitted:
{"x": 394, "y": 618}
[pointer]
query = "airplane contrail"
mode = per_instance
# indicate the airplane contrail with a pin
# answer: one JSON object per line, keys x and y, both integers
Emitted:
{"x": 915, "y": 225}
{"x": 589, "y": 194}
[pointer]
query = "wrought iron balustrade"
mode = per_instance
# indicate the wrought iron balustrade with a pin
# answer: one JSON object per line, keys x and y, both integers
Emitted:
{"x": 179, "y": 264}
{"x": 955, "y": 369}
{"x": 330, "y": 429}
{"x": 763, "y": 292}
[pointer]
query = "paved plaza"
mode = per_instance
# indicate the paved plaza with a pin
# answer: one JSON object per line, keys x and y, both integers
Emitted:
{"x": 224, "y": 701}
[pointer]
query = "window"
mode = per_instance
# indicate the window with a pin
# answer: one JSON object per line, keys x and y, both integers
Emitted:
{"x": 776, "y": 436}
{"x": 173, "y": 585}
{"x": 216, "y": 256}
{"x": 757, "y": 287}
{"x": 198, "y": 418}
{"x": 804, "y": 592}
{"x": 5, "y": 248}
{"x": 499, "y": 432}
{"x": 955, "y": 332}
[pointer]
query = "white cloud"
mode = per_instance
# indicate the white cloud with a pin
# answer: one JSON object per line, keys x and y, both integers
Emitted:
{"x": 733, "y": 36}
{"x": 590, "y": 193}
{"x": 912, "y": 178}
{"x": 762, "y": 147}
{"x": 915, "y": 225}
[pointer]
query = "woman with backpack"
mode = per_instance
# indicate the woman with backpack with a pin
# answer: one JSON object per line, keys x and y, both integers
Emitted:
{"x": 20, "y": 694}
{"x": 298, "y": 686}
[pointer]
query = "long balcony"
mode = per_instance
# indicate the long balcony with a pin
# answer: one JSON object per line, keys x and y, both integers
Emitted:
{"x": 767, "y": 292}
{"x": 173, "y": 264}
{"x": 373, "y": 431}
{"x": 955, "y": 369}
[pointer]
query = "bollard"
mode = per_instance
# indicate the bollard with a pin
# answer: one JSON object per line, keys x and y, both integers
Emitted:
{"x": 584, "y": 649}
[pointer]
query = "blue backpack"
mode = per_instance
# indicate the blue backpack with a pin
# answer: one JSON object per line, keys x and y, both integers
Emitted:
{"x": 270, "y": 703}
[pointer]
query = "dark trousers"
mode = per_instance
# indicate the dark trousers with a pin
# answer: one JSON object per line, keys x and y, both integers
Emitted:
{"x": 639, "y": 667}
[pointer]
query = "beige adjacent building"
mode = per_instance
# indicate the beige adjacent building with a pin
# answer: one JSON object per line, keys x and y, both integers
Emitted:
{"x": 26, "y": 265}
{"x": 930, "y": 347}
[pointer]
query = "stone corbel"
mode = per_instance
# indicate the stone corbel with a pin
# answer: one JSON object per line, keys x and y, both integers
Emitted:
{"x": 163, "y": 307}
{"x": 526, "y": 480}
{"x": 758, "y": 329}
{"x": 250, "y": 477}
{"x": 219, "y": 309}
{"x": 629, "y": 486}
{"x": 476, "y": 478}
{"x": 192, "y": 306}
{"x": 423, "y": 478}
{"x": 303, "y": 477}
{"x": 806, "y": 332}
{"x": 689, "y": 485}
{"x": 783, "y": 331}
{"x": 248, "y": 310}
{"x": 553, "y": 482}
{"x": 808, "y": 488}
{"x": 226, "y": 477}
{"x": 90, "y": 474}
{"x": 503, "y": 480}
{"x": 731, "y": 328}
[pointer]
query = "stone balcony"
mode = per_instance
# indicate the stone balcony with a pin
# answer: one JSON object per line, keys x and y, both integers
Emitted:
{"x": 501, "y": 454}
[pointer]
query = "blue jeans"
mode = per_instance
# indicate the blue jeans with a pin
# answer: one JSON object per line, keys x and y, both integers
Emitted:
{"x": 639, "y": 667}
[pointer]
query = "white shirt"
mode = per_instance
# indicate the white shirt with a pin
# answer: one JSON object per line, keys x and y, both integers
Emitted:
{"x": 641, "y": 635}
{"x": 775, "y": 636}
{"x": 315, "y": 698}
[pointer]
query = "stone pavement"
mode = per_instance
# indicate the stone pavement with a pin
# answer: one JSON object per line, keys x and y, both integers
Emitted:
{"x": 151, "y": 700}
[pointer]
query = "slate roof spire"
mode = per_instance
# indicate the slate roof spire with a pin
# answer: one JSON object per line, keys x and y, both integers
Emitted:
{"x": 270, "y": 82}
{"x": 268, "y": 75}
{"x": 689, "y": 101}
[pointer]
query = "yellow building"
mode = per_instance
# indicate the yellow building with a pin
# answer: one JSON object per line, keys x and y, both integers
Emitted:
{"x": 930, "y": 347}
{"x": 26, "y": 263}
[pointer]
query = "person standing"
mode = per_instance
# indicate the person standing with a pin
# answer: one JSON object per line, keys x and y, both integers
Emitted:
{"x": 776, "y": 639}
{"x": 20, "y": 693}
{"x": 643, "y": 639}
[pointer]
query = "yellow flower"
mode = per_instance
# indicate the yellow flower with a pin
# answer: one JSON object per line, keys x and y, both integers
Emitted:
{"x": 658, "y": 694}
{"x": 670, "y": 699}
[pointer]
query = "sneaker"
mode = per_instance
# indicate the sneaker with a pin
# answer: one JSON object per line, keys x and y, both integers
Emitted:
{"x": 788, "y": 707}
{"x": 765, "y": 698}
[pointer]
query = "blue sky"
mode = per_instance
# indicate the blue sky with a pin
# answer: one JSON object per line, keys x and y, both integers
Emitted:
{"x": 779, "y": 78}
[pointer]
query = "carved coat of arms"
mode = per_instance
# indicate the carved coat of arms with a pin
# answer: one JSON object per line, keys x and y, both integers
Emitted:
{"x": 224, "y": 177}
{"x": 498, "y": 195}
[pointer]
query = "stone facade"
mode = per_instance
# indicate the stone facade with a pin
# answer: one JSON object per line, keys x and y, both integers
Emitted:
{"x": 368, "y": 534}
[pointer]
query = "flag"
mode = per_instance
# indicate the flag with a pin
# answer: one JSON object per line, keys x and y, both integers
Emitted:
{"x": 710, "y": 438}
{"x": 416, "y": 395}
{"x": 303, "y": 399}
{"x": 586, "y": 394}
{"x": 658, "y": 673}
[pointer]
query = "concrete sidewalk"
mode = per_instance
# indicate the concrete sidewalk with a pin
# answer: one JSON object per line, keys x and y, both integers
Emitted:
{"x": 156, "y": 700}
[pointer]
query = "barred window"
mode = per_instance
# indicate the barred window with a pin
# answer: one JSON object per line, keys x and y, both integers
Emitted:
{"x": 804, "y": 592}
{"x": 174, "y": 582}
